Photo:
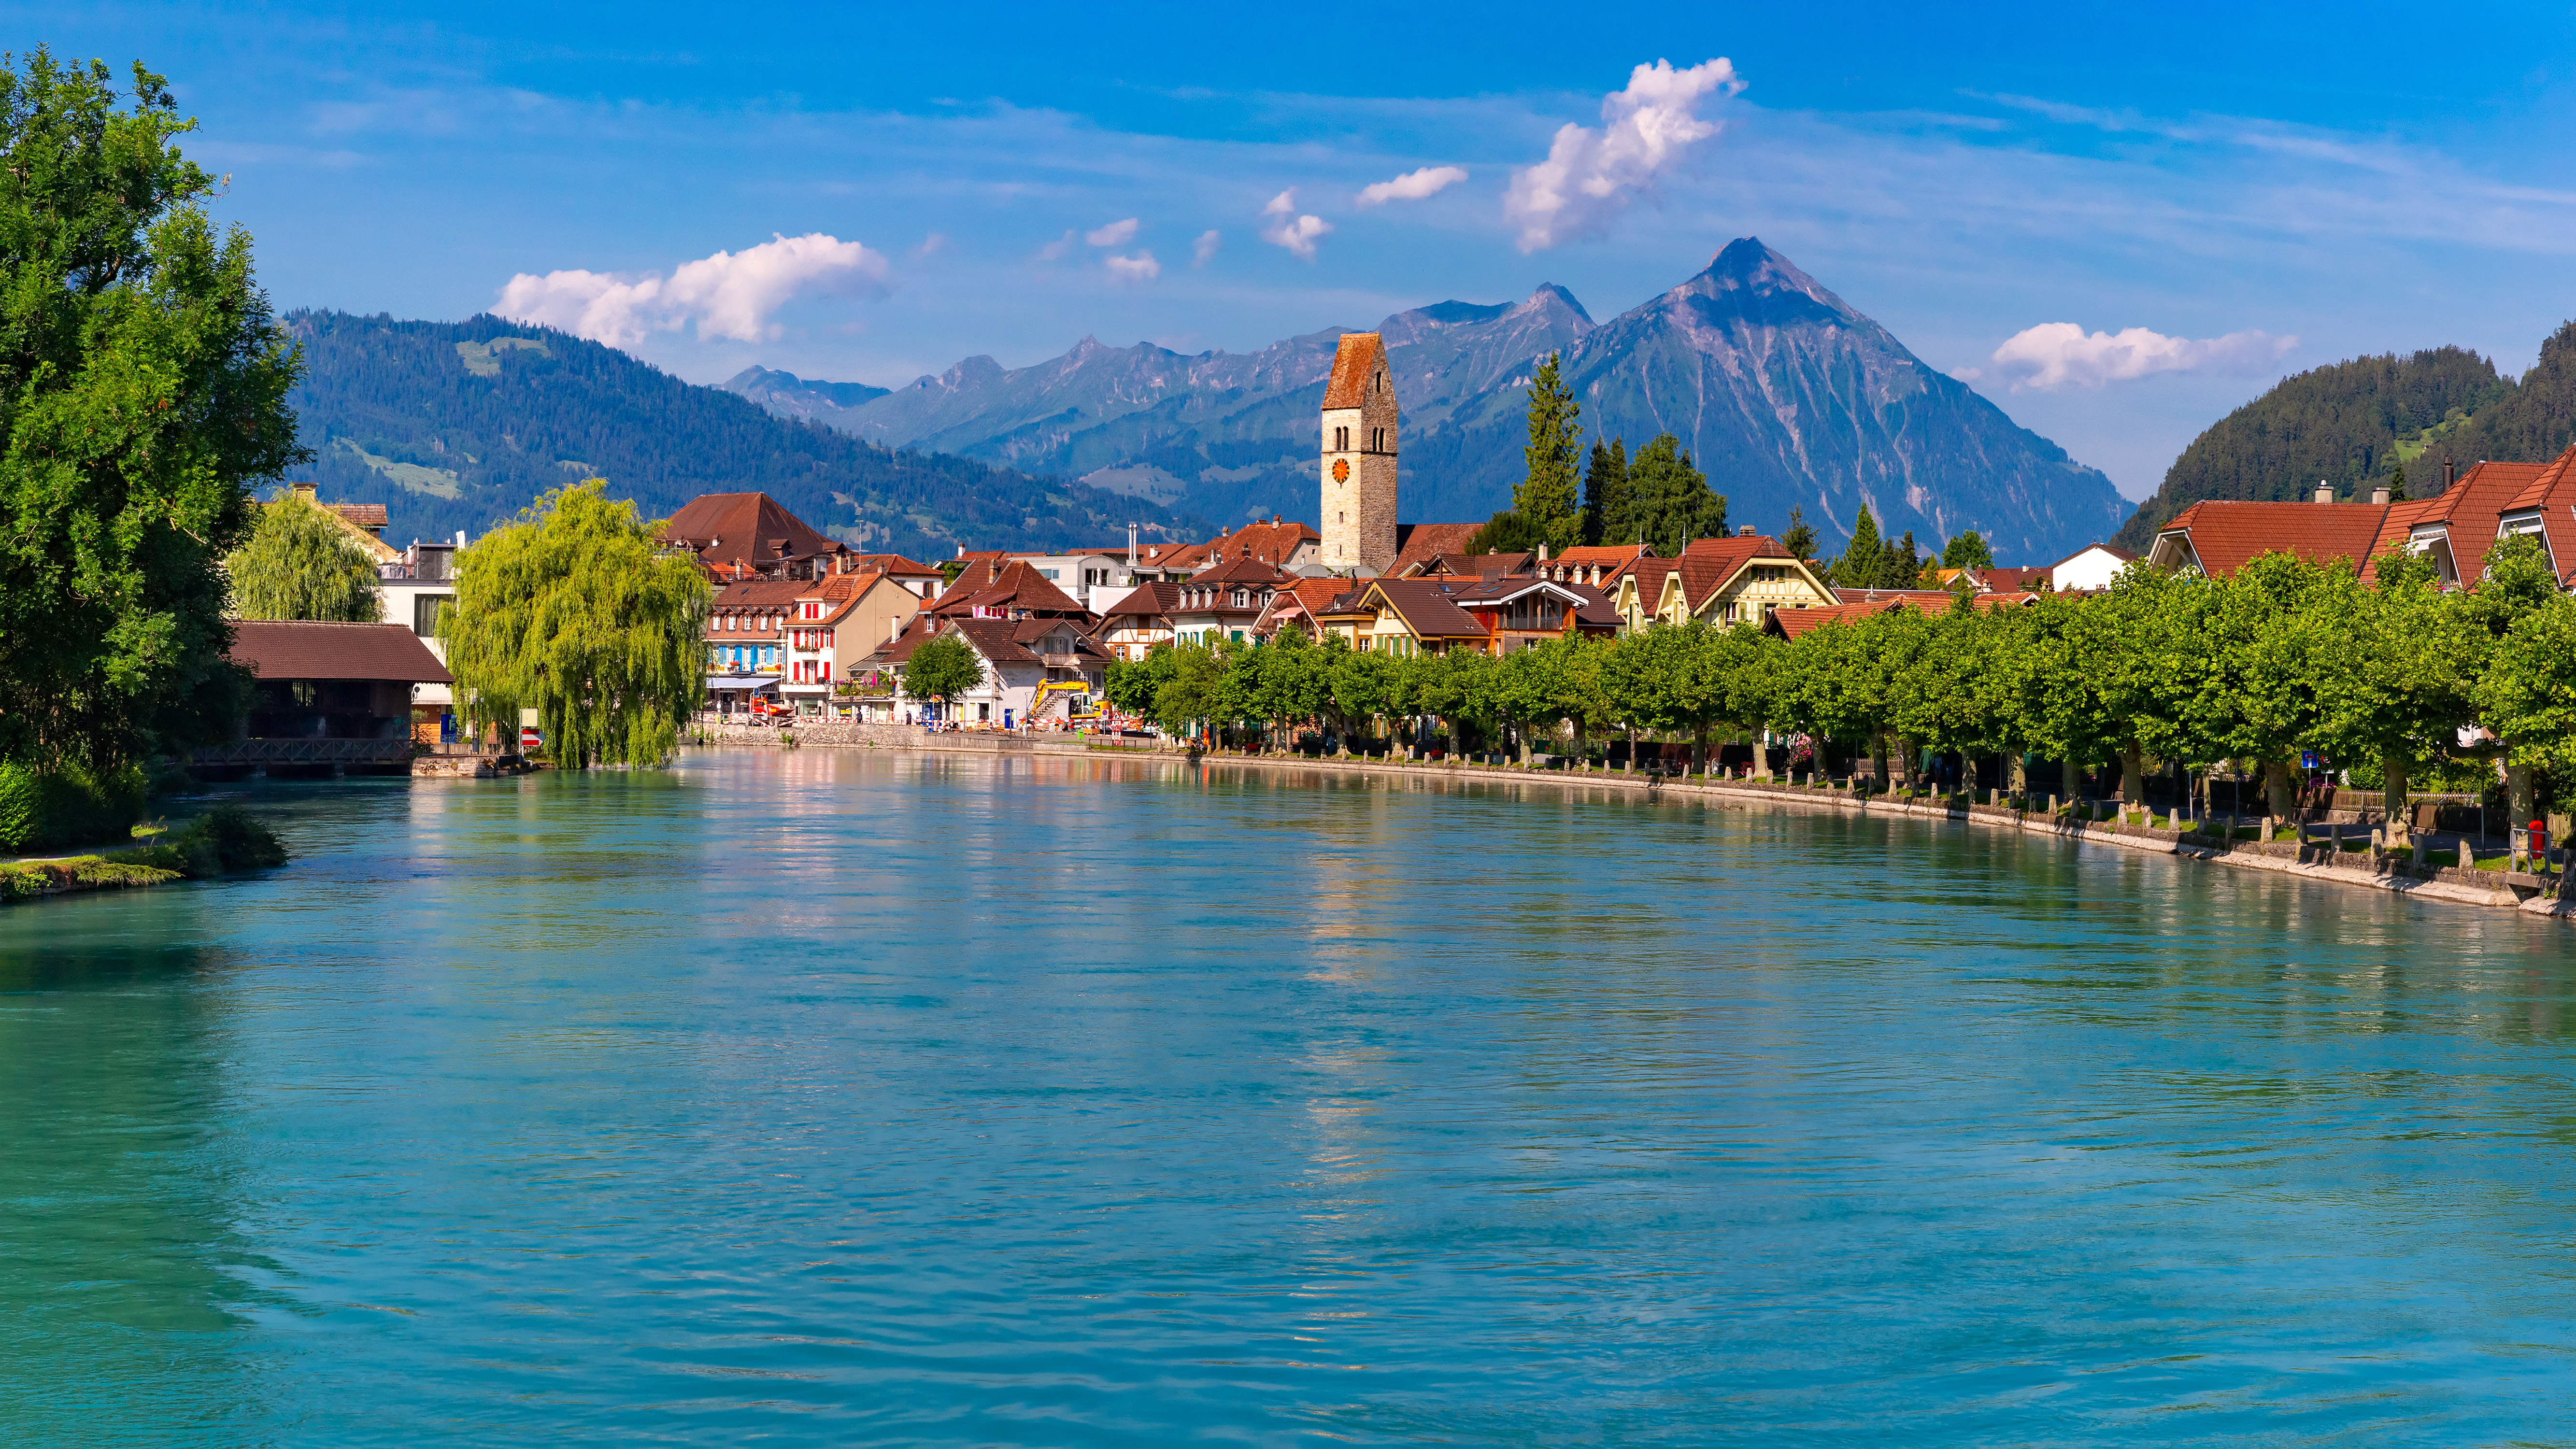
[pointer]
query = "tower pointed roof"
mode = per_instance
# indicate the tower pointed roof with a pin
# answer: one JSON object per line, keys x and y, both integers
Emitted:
{"x": 1361, "y": 356}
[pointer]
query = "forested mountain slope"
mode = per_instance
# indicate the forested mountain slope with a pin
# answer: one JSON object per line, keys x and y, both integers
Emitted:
{"x": 1784, "y": 394}
{"x": 457, "y": 425}
{"x": 2346, "y": 423}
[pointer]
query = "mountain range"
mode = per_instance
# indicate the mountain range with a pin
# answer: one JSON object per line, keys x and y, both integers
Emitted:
{"x": 1784, "y": 394}
{"x": 458, "y": 425}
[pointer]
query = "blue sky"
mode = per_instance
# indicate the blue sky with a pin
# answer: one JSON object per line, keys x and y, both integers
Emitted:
{"x": 2259, "y": 192}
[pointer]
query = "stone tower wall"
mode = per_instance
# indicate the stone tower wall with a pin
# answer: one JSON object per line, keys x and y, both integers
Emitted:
{"x": 1358, "y": 519}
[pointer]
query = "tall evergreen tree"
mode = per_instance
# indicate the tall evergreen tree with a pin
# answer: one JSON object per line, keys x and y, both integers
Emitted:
{"x": 1609, "y": 503}
{"x": 1863, "y": 556}
{"x": 142, "y": 394}
{"x": 1901, "y": 566}
{"x": 1672, "y": 498}
{"x": 1800, "y": 540}
{"x": 1546, "y": 498}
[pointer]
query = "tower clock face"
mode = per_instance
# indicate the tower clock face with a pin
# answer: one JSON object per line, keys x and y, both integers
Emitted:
{"x": 1341, "y": 470}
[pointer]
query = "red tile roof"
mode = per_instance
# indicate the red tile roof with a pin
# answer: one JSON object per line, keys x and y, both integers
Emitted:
{"x": 1425, "y": 606}
{"x": 1359, "y": 355}
{"x": 2227, "y": 534}
{"x": 1152, "y": 599}
{"x": 2466, "y": 511}
{"x": 895, "y": 564}
{"x": 1791, "y": 623}
{"x": 299, "y": 649}
{"x": 1417, "y": 544}
{"x": 1273, "y": 542}
{"x": 1015, "y": 585}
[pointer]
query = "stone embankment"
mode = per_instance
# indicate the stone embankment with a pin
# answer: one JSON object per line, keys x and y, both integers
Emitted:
{"x": 2319, "y": 860}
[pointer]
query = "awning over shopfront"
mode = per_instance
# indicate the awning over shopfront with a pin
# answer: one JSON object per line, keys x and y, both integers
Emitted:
{"x": 739, "y": 683}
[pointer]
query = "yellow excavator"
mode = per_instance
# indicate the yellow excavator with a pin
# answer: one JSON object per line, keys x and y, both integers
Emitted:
{"x": 1079, "y": 707}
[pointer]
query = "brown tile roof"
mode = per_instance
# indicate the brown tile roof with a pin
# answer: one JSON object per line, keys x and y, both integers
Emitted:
{"x": 1417, "y": 544}
{"x": 1015, "y": 585}
{"x": 1359, "y": 355}
{"x": 1425, "y": 606}
{"x": 1309, "y": 596}
{"x": 2226, "y": 534}
{"x": 1588, "y": 554}
{"x": 1243, "y": 571}
{"x": 2004, "y": 578}
{"x": 369, "y": 516}
{"x": 1936, "y": 598}
{"x": 1152, "y": 599}
{"x": 1479, "y": 565}
{"x": 749, "y": 528}
{"x": 298, "y": 649}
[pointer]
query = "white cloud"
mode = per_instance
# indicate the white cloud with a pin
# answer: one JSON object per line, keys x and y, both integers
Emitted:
{"x": 1590, "y": 176}
{"x": 730, "y": 294}
{"x": 1412, "y": 185}
{"x": 1057, "y": 250}
{"x": 2062, "y": 354}
{"x": 1139, "y": 268}
{"x": 1204, "y": 249}
{"x": 931, "y": 246}
{"x": 1287, "y": 229}
{"x": 1115, "y": 234}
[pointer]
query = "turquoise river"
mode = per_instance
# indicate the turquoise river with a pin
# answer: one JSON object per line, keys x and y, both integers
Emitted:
{"x": 822, "y": 1098}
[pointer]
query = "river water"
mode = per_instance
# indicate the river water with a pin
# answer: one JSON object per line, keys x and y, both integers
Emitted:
{"x": 827, "y": 1098}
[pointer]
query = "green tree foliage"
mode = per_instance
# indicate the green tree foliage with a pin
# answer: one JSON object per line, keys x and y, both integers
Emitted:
{"x": 945, "y": 668}
{"x": 1506, "y": 532}
{"x": 1800, "y": 540}
{"x": 1901, "y": 565}
{"x": 301, "y": 563}
{"x": 143, "y": 385}
{"x": 2529, "y": 420}
{"x": 1609, "y": 505}
{"x": 2339, "y": 423}
{"x": 1546, "y": 495}
{"x": 1672, "y": 498}
{"x": 2527, "y": 692}
{"x": 574, "y": 611}
{"x": 1967, "y": 550}
{"x": 1863, "y": 557}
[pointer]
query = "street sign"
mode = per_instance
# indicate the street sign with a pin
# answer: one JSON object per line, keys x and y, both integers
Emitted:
{"x": 527, "y": 738}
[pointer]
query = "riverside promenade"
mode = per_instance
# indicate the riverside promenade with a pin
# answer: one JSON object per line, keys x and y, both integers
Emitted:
{"x": 2322, "y": 861}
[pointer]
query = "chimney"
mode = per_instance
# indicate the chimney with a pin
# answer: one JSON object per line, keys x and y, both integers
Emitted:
{"x": 2325, "y": 491}
{"x": 1744, "y": 531}
{"x": 1131, "y": 545}
{"x": 2446, "y": 475}
{"x": 305, "y": 491}
{"x": 2379, "y": 496}
{"x": 961, "y": 550}
{"x": 1542, "y": 551}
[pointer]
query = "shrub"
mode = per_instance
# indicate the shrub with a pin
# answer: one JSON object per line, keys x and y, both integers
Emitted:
{"x": 68, "y": 806}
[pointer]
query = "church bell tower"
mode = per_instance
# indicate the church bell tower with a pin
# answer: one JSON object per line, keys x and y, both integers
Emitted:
{"x": 1359, "y": 459}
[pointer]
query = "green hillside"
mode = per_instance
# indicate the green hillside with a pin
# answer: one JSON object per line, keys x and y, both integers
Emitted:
{"x": 2346, "y": 423}
{"x": 2530, "y": 421}
{"x": 457, "y": 425}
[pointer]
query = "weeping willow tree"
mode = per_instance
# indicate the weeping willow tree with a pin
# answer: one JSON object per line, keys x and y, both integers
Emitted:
{"x": 576, "y": 612}
{"x": 302, "y": 563}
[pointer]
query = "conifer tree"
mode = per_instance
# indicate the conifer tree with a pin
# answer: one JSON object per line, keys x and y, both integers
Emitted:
{"x": 1900, "y": 567}
{"x": 1609, "y": 502}
{"x": 1672, "y": 498}
{"x": 1800, "y": 540}
{"x": 1546, "y": 498}
{"x": 1862, "y": 556}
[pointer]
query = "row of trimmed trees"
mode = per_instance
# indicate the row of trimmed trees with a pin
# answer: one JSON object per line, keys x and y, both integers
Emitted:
{"x": 2158, "y": 671}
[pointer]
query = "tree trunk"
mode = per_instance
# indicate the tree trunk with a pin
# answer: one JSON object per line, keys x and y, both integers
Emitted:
{"x": 2017, "y": 779}
{"x": 2133, "y": 776}
{"x": 1878, "y": 747}
{"x": 2392, "y": 800}
{"x": 1632, "y": 747}
{"x": 2276, "y": 788}
{"x": 1761, "y": 755}
{"x": 1699, "y": 751}
{"x": 2518, "y": 806}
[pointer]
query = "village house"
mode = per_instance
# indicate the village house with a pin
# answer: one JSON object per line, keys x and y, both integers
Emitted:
{"x": 2089, "y": 569}
{"x": 1595, "y": 566}
{"x": 2219, "y": 536}
{"x": 333, "y": 696}
{"x": 835, "y": 625}
{"x": 1135, "y": 624}
{"x": 1403, "y": 617}
{"x": 997, "y": 586}
{"x": 921, "y": 579}
{"x": 1226, "y": 603}
{"x": 1035, "y": 671}
{"x": 1740, "y": 579}
{"x": 2545, "y": 508}
{"x": 1518, "y": 611}
{"x": 747, "y": 642}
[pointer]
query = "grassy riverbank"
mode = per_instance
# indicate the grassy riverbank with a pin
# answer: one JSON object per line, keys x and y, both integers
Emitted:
{"x": 224, "y": 841}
